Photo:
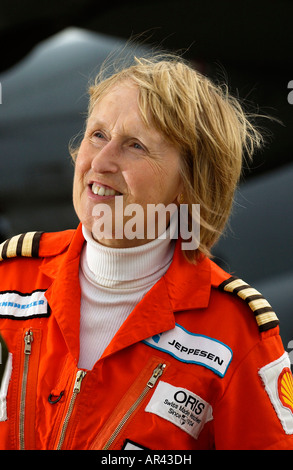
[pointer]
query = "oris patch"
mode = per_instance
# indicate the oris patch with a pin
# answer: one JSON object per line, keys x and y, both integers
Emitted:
{"x": 181, "y": 407}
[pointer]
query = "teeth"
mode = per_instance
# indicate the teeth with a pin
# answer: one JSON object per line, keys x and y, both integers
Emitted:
{"x": 101, "y": 191}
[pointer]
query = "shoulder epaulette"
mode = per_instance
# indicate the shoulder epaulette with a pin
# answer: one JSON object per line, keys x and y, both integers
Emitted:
{"x": 24, "y": 244}
{"x": 264, "y": 314}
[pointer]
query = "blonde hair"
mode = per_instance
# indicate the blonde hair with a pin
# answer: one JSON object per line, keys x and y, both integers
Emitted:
{"x": 206, "y": 124}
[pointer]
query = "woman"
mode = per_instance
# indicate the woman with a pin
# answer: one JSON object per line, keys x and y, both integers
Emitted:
{"x": 119, "y": 336}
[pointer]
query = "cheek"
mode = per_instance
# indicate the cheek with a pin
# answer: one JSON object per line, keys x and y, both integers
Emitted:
{"x": 138, "y": 183}
{"x": 77, "y": 182}
{"x": 82, "y": 166}
{"x": 82, "y": 162}
{"x": 154, "y": 183}
{"x": 80, "y": 170}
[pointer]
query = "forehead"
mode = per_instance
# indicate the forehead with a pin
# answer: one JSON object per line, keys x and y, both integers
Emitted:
{"x": 120, "y": 99}
{"x": 109, "y": 92}
{"x": 118, "y": 107}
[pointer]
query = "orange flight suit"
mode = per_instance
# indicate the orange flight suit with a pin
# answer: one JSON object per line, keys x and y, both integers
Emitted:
{"x": 198, "y": 364}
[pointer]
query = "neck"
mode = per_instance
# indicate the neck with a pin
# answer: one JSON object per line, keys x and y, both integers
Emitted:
{"x": 127, "y": 267}
{"x": 113, "y": 281}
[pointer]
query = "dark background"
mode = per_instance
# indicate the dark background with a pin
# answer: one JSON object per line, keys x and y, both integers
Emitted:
{"x": 249, "y": 41}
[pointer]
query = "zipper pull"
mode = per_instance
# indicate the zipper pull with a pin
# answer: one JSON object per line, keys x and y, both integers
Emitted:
{"x": 76, "y": 389}
{"x": 156, "y": 375}
{"x": 77, "y": 384}
{"x": 28, "y": 339}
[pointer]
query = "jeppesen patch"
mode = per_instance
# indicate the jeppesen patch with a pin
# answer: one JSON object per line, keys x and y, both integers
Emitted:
{"x": 193, "y": 348}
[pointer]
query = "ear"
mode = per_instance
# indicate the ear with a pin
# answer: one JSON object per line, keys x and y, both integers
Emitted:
{"x": 180, "y": 198}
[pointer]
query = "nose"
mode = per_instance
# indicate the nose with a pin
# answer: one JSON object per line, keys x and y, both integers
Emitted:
{"x": 106, "y": 160}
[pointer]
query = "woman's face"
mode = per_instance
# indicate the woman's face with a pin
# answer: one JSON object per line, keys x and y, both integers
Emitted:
{"x": 121, "y": 160}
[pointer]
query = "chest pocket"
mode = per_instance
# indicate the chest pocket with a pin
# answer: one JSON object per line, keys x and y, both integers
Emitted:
{"x": 128, "y": 405}
{"x": 19, "y": 385}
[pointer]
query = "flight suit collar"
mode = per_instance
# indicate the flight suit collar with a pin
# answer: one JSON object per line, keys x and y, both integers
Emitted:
{"x": 183, "y": 287}
{"x": 188, "y": 285}
{"x": 64, "y": 293}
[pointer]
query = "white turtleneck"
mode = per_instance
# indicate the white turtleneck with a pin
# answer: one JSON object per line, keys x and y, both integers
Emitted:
{"x": 113, "y": 281}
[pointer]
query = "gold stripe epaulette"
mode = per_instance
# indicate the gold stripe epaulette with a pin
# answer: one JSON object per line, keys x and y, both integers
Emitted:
{"x": 24, "y": 244}
{"x": 264, "y": 314}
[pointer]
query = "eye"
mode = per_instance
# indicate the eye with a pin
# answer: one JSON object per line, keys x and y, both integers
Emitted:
{"x": 98, "y": 135}
{"x": 97, "y": 138}
{"x": 138, "y": 146}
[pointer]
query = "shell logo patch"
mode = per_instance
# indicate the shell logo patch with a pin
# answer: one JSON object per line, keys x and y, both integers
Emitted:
{"x": 278, "y": 383}
{"x": 285, "y": 388}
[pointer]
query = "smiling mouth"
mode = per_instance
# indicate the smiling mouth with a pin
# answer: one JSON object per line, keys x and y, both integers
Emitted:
{"x": 100, "y": 190}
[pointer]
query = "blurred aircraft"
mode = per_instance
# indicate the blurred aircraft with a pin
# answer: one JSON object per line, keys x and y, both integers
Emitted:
{"x": 44, "y": 104}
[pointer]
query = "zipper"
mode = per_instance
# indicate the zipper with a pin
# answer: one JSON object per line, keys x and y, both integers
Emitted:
{"x": 158, "y": 371}
{"x": 28, "y": 339}
{"x": 76, "y": 389}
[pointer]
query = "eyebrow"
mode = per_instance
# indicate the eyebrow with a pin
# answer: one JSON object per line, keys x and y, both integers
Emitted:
{"x": 147, "y": 138}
